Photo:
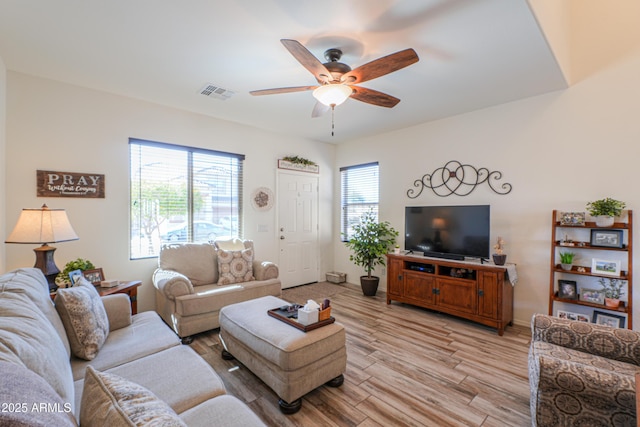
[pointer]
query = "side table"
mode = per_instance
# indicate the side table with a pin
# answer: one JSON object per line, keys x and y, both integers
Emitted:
{"x": 129, "y": 288}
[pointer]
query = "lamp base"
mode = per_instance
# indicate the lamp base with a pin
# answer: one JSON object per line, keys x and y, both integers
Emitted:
{"x": 45, "y": 262}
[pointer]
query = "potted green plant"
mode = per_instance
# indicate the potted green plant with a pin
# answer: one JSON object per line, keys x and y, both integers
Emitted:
{"x": 370, "y": 242}
{"x": 63, "y": 280}
{"x": 613, "y": 290}
{"x": 499, "y": 257}
{"x": 566, "y": 260}
{"x": 604, "y": 211}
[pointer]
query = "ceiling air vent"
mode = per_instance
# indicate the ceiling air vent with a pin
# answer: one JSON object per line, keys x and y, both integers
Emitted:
{"x": 213, "y": 91}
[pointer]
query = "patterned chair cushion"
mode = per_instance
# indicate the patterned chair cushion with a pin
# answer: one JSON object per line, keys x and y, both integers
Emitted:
{"x": 110, "y": 400}
{"x": 235, "y": 266}
{"x": 84, "y": 318}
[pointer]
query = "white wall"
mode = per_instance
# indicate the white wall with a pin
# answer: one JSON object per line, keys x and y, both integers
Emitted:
{"x": 55, "y": 126}
{"x": 3, "y": 132}
{"x": 558, "y": 150}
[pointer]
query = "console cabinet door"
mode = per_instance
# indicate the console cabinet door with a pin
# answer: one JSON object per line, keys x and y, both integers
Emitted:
{"x": 488, "y": 294}
{"x": 457, "y": 294}
{"x": 419, "y": 286}
{"x": 395, "y": 281}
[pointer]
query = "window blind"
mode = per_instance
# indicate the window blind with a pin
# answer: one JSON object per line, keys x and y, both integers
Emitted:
{"x": 359, "y": 194}
{"x": 182, "y": 194}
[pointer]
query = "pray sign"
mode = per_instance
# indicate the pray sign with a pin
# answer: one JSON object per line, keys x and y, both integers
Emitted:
{"x": 70, "y": 184}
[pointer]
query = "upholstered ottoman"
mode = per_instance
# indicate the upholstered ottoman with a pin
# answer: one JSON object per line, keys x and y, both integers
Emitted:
{"x": 291, "y": 362}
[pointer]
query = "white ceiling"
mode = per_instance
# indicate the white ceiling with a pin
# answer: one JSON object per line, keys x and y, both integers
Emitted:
{"x": 473, "y": 54}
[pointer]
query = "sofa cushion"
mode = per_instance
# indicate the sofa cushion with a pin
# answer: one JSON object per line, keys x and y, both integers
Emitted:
{"x": 110, "y": 400}
{"x": 197, "y": 261}
{"x": 226, "y": 410}
{"x": 147, "y": 334}
{"x": 84, "y": 318}
{"x": 27, "y": 338}
{"x": 235, "y": 266}
{"x": 28, "y": 400}
{"x": 32, "y": 282}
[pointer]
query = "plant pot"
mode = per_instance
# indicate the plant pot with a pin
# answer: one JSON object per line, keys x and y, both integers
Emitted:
{"x": 604, "y": 221}
{"x": 499, "y": 259}
{"x": 396, "y": 251}
{"x": 612, "y": 302}
{"x": 369, "y": 285}
{"x": 566, "y": 267}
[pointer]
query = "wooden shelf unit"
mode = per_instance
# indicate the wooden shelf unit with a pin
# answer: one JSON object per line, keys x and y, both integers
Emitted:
{"x": 478, "y": 292}
{"x": 624, "y": 253}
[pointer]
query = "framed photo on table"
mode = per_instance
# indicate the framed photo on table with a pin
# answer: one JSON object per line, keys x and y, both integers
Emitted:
{"x": 606, "y": 238}
{"x": 94, "y": 276}
{"x": 605, "y": 267}
{"x": 74, "y": 276}
{"x": 613, "y": 320}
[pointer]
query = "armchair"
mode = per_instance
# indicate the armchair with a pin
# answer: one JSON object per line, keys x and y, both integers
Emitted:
{"x": 190, "y": 291}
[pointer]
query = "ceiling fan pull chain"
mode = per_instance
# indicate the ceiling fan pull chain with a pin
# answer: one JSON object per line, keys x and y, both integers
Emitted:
{"x": 333, "y": 111}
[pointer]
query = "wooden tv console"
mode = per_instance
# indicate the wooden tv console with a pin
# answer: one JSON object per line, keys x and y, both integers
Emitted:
{"x": 471, "y": 290}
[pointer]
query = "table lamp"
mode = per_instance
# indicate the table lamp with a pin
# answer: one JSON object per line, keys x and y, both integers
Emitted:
{"x": 43, "y": 226}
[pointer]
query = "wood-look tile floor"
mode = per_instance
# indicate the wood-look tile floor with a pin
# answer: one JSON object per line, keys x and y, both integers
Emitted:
{"x": 405, "y": 366}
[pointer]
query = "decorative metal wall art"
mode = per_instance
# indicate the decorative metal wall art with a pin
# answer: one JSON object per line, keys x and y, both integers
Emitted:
{"x": 459, "y": 179}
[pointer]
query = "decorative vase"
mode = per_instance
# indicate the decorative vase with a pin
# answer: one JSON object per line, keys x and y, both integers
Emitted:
{"x": 369, "y": 285}
{"x": 612, "y": 302}
{"x": 566, "y": 267}
{"x": 604, "y": 221}
{"x": 499, "y": 259}
{"x": 396, "y": 251}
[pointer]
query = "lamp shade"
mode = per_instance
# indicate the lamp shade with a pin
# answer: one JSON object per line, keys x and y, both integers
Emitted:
{"x": 332, "y": 94}
{"x": 40, "y": 226}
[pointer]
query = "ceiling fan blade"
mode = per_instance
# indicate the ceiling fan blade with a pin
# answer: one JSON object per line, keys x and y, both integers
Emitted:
{"x": 319, "y": 109}
{"x": 374, "y": 97}
{"x": 307, "y": 60}
{"x": 281, "y": 90}
{"x": 381, "y": 66}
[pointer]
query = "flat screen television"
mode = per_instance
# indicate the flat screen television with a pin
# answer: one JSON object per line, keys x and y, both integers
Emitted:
{"x": 452, "y": 232}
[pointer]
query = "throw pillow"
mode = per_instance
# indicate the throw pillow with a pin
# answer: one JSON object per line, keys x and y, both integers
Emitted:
{"x": 235, "y": 266}
{"x": 84, "y": 318}
{"x": 28, "y": 400}
{"x": 110, "y": 400}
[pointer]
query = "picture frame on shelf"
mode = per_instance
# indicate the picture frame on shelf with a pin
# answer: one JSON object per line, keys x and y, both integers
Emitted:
{"x": 595, "y": 296}
{"x": 567, "y": 289}
{"x": 74, "y": 276}
{"x": 574, "y": 316}
{"x": 94, "y": 276}
{"x": 606, "y": 238}
{"x": 605, "y": 267}
{"x": 572, "y": 218}
{"x": 607, "y": 319}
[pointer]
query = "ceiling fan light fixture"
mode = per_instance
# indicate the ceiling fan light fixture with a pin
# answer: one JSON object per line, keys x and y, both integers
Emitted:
{"x": 332, "y": 94}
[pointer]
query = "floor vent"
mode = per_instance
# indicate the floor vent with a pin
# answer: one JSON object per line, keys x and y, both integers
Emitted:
{"x": 213, "y": 91}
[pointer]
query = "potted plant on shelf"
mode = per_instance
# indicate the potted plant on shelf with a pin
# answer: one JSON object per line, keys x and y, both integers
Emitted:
{"x": 370, "y": 242}
{"x": 499, "y": 257}
{"x": 604, "y": 211}
{"x": 566, "y": 260}
{"x": 613, "y": 290}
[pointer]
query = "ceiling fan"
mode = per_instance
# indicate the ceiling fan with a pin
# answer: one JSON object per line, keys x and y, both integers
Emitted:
{"x": 337, "y": 81}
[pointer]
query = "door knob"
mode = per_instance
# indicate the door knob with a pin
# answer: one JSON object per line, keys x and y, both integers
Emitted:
{"x": 281, "y": 237}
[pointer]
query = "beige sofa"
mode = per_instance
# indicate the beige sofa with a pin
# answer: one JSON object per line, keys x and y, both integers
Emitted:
{"x": 132, "y": 367}
{"x": 190, "y": 291}
{"x": 582, "y": 374}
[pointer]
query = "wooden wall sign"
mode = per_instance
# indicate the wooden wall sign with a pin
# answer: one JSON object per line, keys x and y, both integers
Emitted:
{"x": 70, "y": 184}
{"x": 285, "y": 164}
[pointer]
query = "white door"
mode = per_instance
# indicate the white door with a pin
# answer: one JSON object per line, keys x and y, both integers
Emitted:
{"x": 298, "y": 228}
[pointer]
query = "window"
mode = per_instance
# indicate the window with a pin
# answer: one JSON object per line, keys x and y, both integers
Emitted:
{"x": 360, "y": 186}
{"x": 182, "y": 194}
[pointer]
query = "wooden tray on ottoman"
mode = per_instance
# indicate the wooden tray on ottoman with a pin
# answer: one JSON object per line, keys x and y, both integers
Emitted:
{"x": 288, "y": 317}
